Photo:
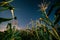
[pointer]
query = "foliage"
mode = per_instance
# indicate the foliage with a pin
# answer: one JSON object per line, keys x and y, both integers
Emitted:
{"x": 38, "y": 32}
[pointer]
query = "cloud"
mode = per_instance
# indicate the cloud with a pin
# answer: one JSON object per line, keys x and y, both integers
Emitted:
{"x": 2, "y": 27}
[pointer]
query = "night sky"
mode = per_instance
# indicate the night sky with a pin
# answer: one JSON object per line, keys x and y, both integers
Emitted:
{"x": 25, "y": 10}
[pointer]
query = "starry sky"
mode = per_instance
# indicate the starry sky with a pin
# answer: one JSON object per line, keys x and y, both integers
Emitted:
{"x": 25, "y": 10}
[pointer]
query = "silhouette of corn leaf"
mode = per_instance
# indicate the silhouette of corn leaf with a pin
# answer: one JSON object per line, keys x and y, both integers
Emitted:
{"x": 4, "y": 2}
{"x": 4, "y": 19}
{"x": 57, "y": 20}
{"x": 3, "y": 9}
{"x": 6, "y": 5}
{"x": 53, "y": 6}
{"x": 57, "y": 14}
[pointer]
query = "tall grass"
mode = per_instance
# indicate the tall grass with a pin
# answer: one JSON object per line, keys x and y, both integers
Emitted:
{"x": 40, "y": 31}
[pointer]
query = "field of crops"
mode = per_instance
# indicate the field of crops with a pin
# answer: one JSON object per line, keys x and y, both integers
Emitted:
{"x": 41, "y": 29}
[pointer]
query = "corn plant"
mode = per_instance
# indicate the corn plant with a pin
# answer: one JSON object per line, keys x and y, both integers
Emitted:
{"x": 47, "y": 20}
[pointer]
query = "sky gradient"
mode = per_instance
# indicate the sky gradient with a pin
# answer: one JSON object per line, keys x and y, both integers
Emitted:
{"x": 25, "y": 10}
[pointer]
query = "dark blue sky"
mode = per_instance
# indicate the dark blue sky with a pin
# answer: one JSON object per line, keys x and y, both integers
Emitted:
{"x": 25, "y": 10}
